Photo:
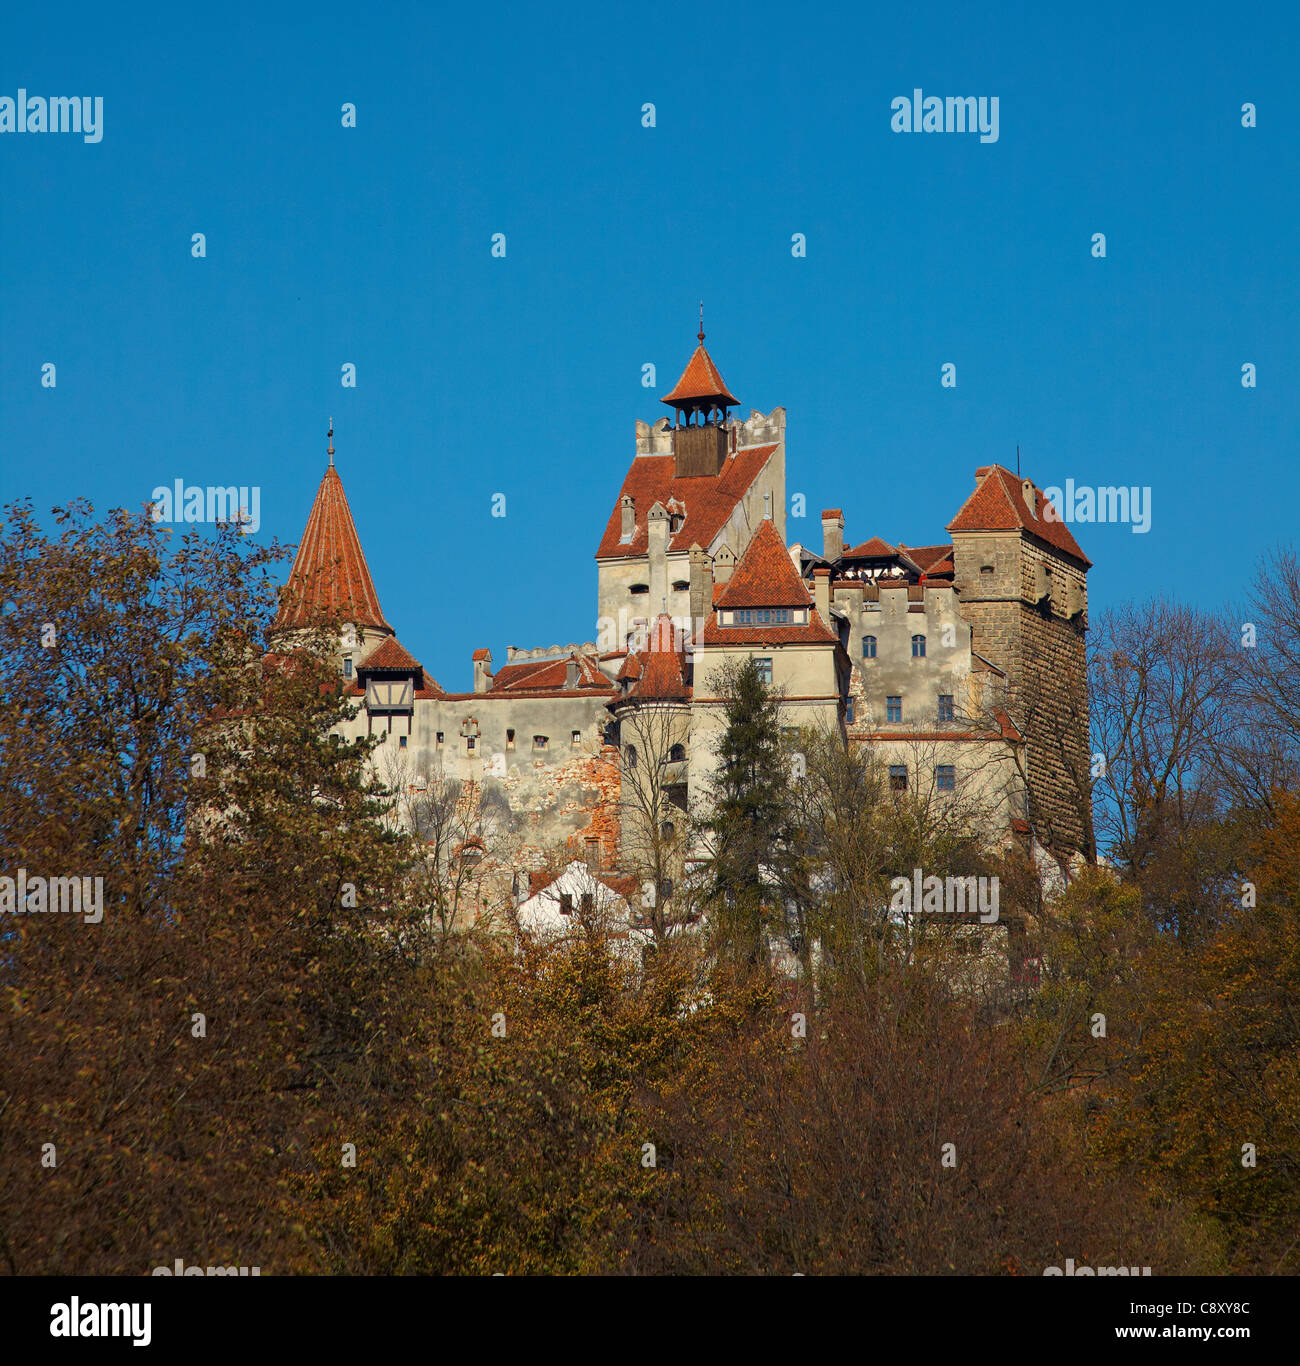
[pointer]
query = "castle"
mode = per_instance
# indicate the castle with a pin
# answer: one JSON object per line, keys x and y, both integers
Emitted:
{"x": 961, "y": 663}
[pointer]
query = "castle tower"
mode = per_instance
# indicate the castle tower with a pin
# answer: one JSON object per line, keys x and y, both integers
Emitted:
{"x": 330, "y": 582}
{"x": 707, "y": 481}
{"x": 1022, "y": 584}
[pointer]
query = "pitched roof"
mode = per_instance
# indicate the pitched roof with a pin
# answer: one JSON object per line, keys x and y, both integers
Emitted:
{"x": 700, "y": 380}
{"x": 390, "y": 655}
{"x": 330, "y": 580}
{"x": 998, "y": 504}
{"x": 932, "y": 560}
{"x": 659, "y": 670}
{"x": 549, "y": 675}
{"x": 705, "y": 501}
{"x": 874, "y": 549}
{"x": 816, "y": 632}
{"x": 765, "y": 575}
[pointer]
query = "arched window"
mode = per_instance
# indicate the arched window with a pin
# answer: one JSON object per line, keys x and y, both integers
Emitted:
{"x": 918, "y": 647}
{"x": 677, "y": 754}
{"x": 868, "y": 647}
{"x": 629, "y": 755}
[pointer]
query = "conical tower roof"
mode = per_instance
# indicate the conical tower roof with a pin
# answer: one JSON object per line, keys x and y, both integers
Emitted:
{"x": 330, "y": 580}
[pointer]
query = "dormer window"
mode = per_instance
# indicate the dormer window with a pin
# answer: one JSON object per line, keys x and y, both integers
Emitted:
{"x": 675, "y": 523}
{"x": 760, "y": 616}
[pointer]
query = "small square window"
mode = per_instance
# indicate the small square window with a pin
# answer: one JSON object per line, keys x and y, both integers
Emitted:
{"x": 893, "y": 709}
{"x": 898, "y": 777}
{"x": 945, "y": 777}
{"x": 540, "y": 741}
{"x": 401, "y": 741}
{"x": 764, "y": 667}
{"x": 946, "y": 712}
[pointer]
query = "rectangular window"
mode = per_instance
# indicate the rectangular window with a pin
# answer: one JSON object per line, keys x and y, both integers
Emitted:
{"x": 898, "y": 777}
{"x": 577, "y": 737}
{"x": 945, "y": 776}
{"x": 566, "y": 903}
{"x": 401, "y": 740}
{"x": 470, "y": 742}
{"x": 893, "y": 709}
{"x": 440, "y": 737}
{"x": 347, "y": 667}
{"x": 946, "y": 712}
{"x": 868, "y": 647}
{"x": 848, "y": 712}
{"x": 540, "y": 741}
{"x": 764, "y": 669}
{"x": 761, "y": 616}
{"x": 588, "y": 901}
{"x": 918, "y": 647}
{"x": 510, "y": 739}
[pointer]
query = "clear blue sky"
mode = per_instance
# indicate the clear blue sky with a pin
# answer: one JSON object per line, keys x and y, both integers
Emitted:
{"x": 522, "y": 376}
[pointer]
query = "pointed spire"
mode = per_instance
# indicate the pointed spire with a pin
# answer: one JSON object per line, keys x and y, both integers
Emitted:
{"x": 330, "y": 580}
{"x": 701, "y": 388}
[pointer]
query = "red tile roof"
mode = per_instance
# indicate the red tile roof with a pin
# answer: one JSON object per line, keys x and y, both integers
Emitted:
{"x": 660, "y": 669}
{"x": 930, "y": 559}
{"x": 391, "y": 655}
{"x": 998, "y": 504}
{"x": 330, "y": 580}
{"x": 700, "y": 380}
{"x": 874, "y": 549}
{"x": 706, "y": 500}
{"x": 765, "y": 575}
{"x": 549, "y": 675}
{"x": 482, "y": 654}
{"x": 816, "y": 632}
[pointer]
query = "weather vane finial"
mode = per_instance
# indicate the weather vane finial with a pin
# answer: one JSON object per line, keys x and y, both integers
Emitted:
{"x": 700, "y": 334}
{"x": 330, "y": 449}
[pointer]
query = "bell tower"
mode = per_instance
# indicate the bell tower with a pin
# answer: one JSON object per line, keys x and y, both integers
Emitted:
{"x": 700, "y": 400}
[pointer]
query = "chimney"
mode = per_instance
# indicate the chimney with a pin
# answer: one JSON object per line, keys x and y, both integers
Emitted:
{"x": 701, "y": 587}
{"x": 627, "y": 507}
{"x": 571, "y": 672}
{"x": 822, "y": 593}
{"x": 658, "y": 536}
{"x": 832, "y": 534}
{"x": 482, "y": 670}
{"x": 723, "y": 563}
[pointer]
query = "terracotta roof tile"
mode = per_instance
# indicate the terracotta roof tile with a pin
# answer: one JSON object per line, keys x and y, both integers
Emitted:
{"x": 700, "y": 380}
{"x": 707, "y": 500}
{"x": 660, "y": 669}
{"x": 874, "y": 549}
{"x": 330, "y": 580}
{"x": 998, "y": 504}
{"x": 549, "y": 675}
{"x": 765, "y": 575}
{"x": 390, "y": 655}
{"x": 816, "y": 632}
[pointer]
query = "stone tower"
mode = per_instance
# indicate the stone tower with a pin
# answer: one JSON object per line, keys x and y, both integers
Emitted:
{"x": 1022, "y": 583}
